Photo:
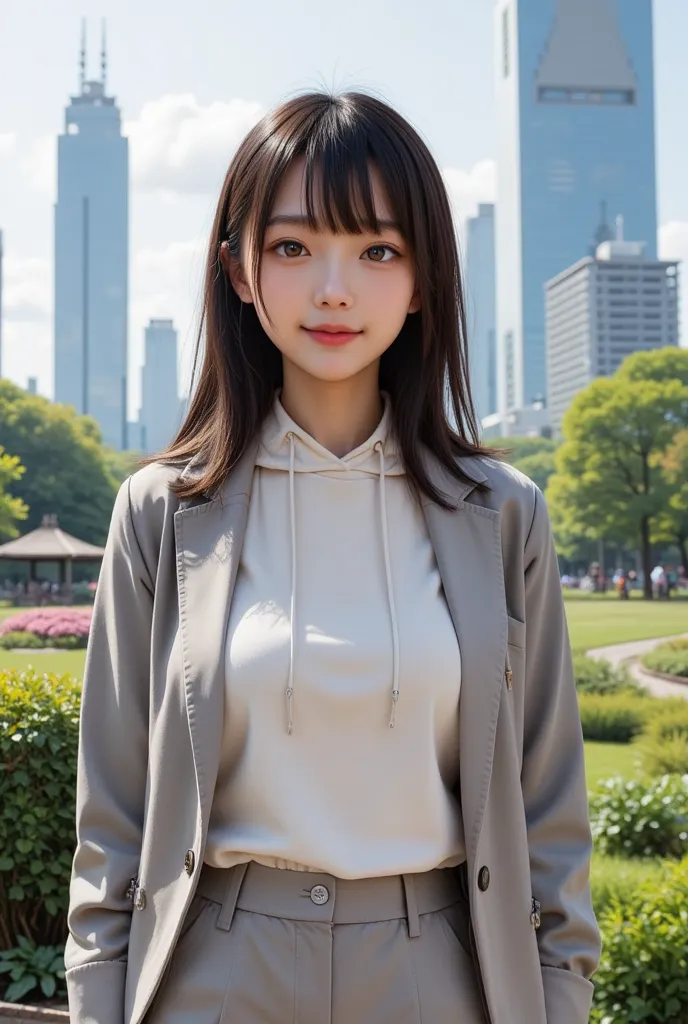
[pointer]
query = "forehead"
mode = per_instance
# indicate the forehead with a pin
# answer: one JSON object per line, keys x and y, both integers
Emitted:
{"x": 291, "y": 193}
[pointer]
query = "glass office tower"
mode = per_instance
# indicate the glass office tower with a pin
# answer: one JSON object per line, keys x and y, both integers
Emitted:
{"x": 575, "y": 102}
{"x": 91, "y": 259}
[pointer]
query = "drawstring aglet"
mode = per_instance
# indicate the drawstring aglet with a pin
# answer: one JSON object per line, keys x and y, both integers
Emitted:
{"x": 289, "y": 693}
{"x": 395, "y": 698}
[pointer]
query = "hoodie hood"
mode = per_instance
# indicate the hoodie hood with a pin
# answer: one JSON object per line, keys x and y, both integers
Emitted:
{"x": 286, "y": 446}
{"x": 311, "y": 457}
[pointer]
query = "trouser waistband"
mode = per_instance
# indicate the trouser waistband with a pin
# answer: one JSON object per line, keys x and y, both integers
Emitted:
{"x": 318, "y": 896}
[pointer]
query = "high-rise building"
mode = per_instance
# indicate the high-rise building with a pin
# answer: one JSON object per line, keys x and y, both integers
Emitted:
{"x": 601, "y": 310}
{"x": 480, "y": 308}
{"x": 91, "y": 257}
{"x": 575, "y": 101}
{"x": 159, "y": 417}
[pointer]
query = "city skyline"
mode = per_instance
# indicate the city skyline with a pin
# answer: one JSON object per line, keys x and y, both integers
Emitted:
{"x": 183, "y": 118}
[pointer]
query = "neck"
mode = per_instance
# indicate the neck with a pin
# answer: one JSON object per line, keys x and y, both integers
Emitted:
{"x": 340, "y": 415}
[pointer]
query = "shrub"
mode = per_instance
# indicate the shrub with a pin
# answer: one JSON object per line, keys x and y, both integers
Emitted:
{"x": 664, "y": 747}
{"x": 599, "y": 676}
{"x": 643, "y": 973}
{"x": 51, "y": 623}
{"x": 18, "y": 639}
{"x": 615, "y": 718}
{"x": 641, "y": 819}
{"x": 621, "y": 879}
{"x": 670, "y": 659}
{"x": 32, "y": 967}
{"x": 39, "y": 728}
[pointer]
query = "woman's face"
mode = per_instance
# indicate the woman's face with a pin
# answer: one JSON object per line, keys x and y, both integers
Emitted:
{"x": 362, "y": 282}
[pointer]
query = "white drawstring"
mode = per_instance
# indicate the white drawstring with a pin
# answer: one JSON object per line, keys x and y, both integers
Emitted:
{"x": 289, "y": 693}
{"x": 292, "y": 510}
{"x": 390, "y": 592}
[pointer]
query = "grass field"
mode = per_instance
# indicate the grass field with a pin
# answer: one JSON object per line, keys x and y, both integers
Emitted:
{"x": 59, "y": 662}
{"x": 601, "y": 619}
{"x": 602, "y": 760}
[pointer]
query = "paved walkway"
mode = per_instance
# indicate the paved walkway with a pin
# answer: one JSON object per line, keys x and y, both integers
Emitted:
{"x": 630, "y": 652}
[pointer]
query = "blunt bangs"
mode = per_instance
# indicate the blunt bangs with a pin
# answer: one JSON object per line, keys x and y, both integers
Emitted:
{"x": 425, "y": 369}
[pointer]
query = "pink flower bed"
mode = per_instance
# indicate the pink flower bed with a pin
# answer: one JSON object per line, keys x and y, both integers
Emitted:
{"x": 49, "y": 622}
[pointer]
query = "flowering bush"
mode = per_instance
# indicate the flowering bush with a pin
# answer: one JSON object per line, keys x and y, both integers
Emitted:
{"x": 54, "y": 624}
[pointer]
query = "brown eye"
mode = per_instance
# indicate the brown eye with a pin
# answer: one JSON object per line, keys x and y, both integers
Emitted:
{"x": 381, "y": 249}
{"x": 291, "y": 246}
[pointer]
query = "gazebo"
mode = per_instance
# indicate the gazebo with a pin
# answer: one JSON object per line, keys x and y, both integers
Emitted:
{"x": 49, "y": 543}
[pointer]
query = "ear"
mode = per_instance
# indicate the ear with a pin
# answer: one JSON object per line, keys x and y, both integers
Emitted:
{"x": 414, "y": 305}
{"x": 235, "y": 272}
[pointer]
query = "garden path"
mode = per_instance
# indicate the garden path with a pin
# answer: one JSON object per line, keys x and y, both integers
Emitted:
{"x": 617, "y": 654}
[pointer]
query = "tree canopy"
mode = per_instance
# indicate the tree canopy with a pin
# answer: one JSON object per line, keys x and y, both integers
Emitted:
{"x": 67, "y": 470}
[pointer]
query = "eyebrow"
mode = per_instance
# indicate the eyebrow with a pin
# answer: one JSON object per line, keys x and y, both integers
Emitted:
{"x": 302, "y": 221}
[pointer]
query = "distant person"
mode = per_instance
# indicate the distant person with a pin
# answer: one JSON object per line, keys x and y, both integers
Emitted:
{"x": 659, "y": 581}
{"x": 331, "y": 765}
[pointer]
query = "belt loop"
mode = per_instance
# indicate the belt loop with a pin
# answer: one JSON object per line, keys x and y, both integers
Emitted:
{"x": 231, "y": 896}
{"x": 411, "y": 906}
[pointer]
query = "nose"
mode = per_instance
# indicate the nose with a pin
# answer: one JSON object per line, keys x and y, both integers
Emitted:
{"x": 332, "y": 288}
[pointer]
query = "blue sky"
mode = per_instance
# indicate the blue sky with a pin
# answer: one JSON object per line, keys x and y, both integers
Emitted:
{"x": 191, "y": 79}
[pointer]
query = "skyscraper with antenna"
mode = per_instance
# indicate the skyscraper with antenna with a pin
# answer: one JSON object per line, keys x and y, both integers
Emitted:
{"x": 92, "y": 254}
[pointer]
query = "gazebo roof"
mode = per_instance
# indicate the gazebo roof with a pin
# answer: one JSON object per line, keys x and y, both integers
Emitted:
{"x": 50, "y": 544}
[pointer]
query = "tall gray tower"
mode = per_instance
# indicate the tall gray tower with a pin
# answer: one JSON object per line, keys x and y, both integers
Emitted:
{"x": 91, "y": 256}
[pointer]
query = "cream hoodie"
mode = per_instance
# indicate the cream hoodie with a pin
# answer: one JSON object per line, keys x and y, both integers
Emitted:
{"x": 338, "y": 630}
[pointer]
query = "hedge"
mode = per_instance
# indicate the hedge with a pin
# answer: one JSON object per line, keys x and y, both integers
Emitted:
{"x": 39, "y": 729}
{"x": 643, "y": 974}
{"x": 595, "y": 675}
{"x": 639, "y": 818}
{"x": 616, "y": 718}
{"x": 664, "y": 746}
{"x": 670, "y": 659}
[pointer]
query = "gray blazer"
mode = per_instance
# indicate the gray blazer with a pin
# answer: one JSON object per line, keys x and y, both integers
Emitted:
{"x": 152, "y": 716}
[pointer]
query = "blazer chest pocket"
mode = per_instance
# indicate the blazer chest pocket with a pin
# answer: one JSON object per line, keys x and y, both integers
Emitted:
{"x": 515, "y": 652}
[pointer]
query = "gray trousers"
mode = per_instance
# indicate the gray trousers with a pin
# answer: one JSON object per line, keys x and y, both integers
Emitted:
{"x": 273, "y": 946}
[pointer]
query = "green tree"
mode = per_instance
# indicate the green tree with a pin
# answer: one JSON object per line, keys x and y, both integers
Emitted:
{"x": 672, "y": 523}
{"x": 610, "y": 481}
{"x": 68, "y": 471}
{"x": 11, "y": 509}
{"x": 534, "y": 456}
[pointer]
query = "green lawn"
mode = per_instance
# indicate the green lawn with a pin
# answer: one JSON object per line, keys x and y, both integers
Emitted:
{"x": 598, "y": 620}
{"x": 60, "y": 662}
{"x": 602, "y": 760}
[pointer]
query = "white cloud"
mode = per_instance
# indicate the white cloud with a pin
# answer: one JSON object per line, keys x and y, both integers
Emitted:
{"x": 8, "y": 142}
{"x": 27, "y": 289}
{"x": 673, "y": 245}
{"x": 179, "y": 145}
{"x": 469, "y": 188}
{"x": 167, "y": 283}
{"x": 40, "y": 164}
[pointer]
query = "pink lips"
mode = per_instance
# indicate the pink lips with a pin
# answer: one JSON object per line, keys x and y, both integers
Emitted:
{"x": 332, "y": 338}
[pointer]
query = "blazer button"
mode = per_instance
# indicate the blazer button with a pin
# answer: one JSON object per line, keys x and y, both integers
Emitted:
{"x": 140, "y": 899}
{"x": 483, "y": 879}
{"x": 189, "y": 862}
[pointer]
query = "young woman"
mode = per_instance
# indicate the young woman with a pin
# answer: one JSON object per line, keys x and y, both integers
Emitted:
{"x": 331, "y": 763}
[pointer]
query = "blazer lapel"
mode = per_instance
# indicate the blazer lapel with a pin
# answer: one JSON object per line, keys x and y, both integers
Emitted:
{"x": 209, "y": 536}
{"x": 467, "y": 545}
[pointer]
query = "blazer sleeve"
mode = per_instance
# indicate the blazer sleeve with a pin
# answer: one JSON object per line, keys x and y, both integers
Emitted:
{"x": 554, "y": 788}
{"x": 111, "y": 776}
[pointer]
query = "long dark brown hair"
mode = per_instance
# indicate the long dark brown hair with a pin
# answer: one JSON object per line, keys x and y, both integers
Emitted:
{"x": 425, "y": 370}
